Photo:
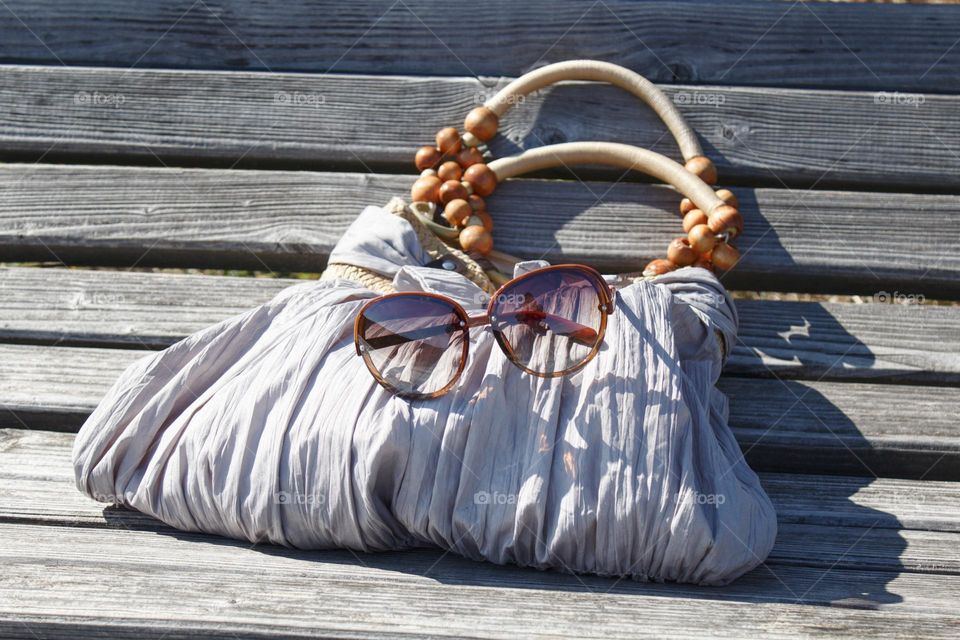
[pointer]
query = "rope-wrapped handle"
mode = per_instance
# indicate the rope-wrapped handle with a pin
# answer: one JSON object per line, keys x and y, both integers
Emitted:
{"x": 613, "y": 154}
{"x": 484, "y": 121}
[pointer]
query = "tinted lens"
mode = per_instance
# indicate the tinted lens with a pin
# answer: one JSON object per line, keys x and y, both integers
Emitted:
{"x": 414, "y": 343}
{"x": 550, "y": 321}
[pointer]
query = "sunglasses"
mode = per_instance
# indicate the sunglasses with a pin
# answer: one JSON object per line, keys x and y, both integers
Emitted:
{"x": 549, "y": 323}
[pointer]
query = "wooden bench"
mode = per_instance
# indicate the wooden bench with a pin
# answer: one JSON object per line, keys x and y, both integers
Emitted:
{"x": 243, "y": 135}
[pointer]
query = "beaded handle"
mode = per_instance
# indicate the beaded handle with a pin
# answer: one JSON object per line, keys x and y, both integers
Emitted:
{"x": 713, "y": 212}
{"x": 456, "y": 175}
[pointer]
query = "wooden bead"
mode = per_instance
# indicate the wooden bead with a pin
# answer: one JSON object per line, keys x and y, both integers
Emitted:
{"x": 693, "y": 218}
{"x": 686, "y": 206}
{"x": 699, "y": 165}
{"x": 426, "y": 189}
{"x": 450, "y": 170}
{"x": 729, "y": 197}
{"x": 724, "y": 256}
{"x": 701, "y": 238}
{"x": 725, "y": 218}
{"x": 658, "y": 267}
{"x": 478, "y": 203}
{"x": 427, "y": 158}
{"x": 476, "y": 238}
{"x": 469, "y": 157}
{"x": 470, "y": 140}
{"x": 482, "y": 122}
{"x": 467, "y": 186}
{"x": 485, "y": 219}
{"x": 452, "y": 190}
{"x": 680, "y": 253}
{"x": 457, "y": 211}
{"x": 704, "y": 262}
{"x": 448, "y": 141}
{"x": 483, "y": 179}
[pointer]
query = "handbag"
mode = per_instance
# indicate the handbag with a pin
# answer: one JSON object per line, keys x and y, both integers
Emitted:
{"x": 268, "y": 427}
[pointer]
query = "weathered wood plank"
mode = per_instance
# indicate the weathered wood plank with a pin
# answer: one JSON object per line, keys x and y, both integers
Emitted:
{"x": 756, "y": 136}
{"x": 39, "y": 461}
{"x": 36, "y": 487}
{"x": 811, "y": 426}
{"x": 201, "y": 581}
{"x": 810, "y": 241}
{"x": 787, "y": 339}
{"x": 774, "y": 44}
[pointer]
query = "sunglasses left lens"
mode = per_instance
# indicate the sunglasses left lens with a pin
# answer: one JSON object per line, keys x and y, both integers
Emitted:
{"x": 413, "y": 344}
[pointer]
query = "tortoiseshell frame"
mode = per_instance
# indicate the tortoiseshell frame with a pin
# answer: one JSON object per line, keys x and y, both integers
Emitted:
{"x": 604, "y": 293}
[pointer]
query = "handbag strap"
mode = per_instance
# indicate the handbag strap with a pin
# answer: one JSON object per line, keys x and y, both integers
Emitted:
{"x": 599, "y": 71}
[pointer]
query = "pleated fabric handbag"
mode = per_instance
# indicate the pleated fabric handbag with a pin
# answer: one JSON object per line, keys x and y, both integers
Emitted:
{"x": 431, "y": 391}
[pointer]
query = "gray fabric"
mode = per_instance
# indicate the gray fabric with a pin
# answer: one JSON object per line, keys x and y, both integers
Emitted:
{"x": 268, "y": 427}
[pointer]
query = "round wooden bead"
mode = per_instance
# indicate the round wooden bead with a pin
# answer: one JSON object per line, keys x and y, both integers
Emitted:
{"x": 724, "y": 256}
{"x": 476, "y": 238}
{"x": 428, "y": 172}
{"x": 427, "y": 158}
{"x": 725, "y": 218}
{"x": 469, "y": 157}
{"x": 426, "y": 189}
{"x": 686, "y": 206}
{"x": 658, "y": 267}
{"x": 478, "y": 203}
{"x": 693, "y": 218}
{"x": 704, "y": 262}
{"x": 701, "y": 238}
{"x": 448, "y": 141}
{"x": 449, "y": 170}
{"x": 680, "y": 253}
{"x": 483, "y": 179}
{"x": 482, "y": 122}
{"x": 457, "y": 211}
{"x": 729, "y": 197}
{"x": 485, "y": 219}
{"x": 452, "y": 190}
{"x": 699, "y": 165}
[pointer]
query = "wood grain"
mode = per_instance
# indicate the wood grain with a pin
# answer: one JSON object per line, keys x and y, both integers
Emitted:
{"x": 755, "y": 136}
{"x": 182, "y": 582}
{"x": 771, "y": 44}
{"x": 809, "y": 340}
{"x": 276, "y": 220}
{"x": 885, "y": 565}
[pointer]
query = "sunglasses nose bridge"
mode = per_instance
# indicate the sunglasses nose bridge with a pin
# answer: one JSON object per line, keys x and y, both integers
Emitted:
{"x": 478, "y": 321}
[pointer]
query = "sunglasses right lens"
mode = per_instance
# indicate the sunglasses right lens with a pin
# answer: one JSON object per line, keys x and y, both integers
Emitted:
{"x": 413, "y": 344}
{"x": 550, "y": 322}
